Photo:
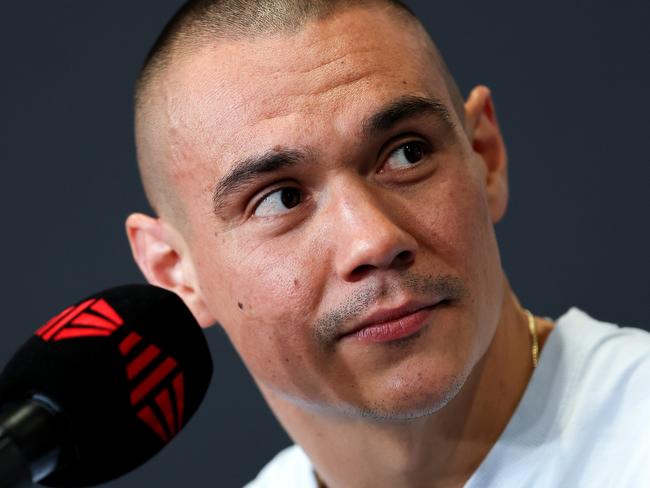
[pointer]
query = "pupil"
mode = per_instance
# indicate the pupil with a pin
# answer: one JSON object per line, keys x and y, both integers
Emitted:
{"x": 290, "y": 197}
{"x": 413, "y": 152}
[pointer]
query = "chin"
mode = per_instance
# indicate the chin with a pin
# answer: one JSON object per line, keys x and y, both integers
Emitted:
{"x": 403, "y": 403}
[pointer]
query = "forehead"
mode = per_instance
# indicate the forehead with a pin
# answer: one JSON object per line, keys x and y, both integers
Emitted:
{"x": 234, "y": 98}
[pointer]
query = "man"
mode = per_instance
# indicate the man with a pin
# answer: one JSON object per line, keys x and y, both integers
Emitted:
{"x": 324, "y": 193}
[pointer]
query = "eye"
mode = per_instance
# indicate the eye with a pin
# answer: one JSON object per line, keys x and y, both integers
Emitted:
{"x": 278, "y": 202}
{"x": 406, "y": 155}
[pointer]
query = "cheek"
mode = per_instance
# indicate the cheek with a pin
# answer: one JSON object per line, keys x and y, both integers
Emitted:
{"x": 476, "y": 254}
{"x": 454, "y": 221}
{"x": 458, "y": 231}
{"x": 265, "y": 299}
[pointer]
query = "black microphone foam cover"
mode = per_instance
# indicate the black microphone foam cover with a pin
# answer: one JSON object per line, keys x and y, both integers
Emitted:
{"x": 125, "y": 368}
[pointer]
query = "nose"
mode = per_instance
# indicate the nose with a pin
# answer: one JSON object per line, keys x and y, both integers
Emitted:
{"x": 368, "y": 237}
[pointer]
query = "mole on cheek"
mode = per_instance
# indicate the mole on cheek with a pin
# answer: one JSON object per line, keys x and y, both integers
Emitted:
{"x": 240, "y": 305}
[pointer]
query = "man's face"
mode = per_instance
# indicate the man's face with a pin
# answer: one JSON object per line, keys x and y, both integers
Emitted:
{"x": 325, "y": 190}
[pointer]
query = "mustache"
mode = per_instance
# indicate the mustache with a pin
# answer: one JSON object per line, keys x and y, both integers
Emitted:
{"x": 329, "y": 327}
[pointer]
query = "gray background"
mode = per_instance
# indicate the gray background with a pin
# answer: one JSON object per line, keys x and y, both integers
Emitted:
{"x": 570, "y": 79}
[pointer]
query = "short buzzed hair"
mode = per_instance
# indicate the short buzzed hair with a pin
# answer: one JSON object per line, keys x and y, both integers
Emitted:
{"x": 198, "y": 22}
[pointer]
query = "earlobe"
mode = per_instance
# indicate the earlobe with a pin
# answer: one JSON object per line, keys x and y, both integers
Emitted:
{"x": 487, "y": 143}
{"x": 158, "y": 251}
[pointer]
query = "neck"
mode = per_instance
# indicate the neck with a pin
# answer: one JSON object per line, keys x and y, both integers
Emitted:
{"x": 442, "y": 449}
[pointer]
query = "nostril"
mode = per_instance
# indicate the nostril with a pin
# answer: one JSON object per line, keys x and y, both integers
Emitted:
{"x": 404, "y": 258}
{"x": 361, "y": 271}
{"x": 401, "y": 261}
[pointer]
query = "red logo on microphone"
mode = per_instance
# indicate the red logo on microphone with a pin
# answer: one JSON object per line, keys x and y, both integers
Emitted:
{"x": 163, "y": 413}
{"x": 92, "y": 318}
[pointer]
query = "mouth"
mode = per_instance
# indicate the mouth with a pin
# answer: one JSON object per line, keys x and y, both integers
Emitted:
{"x": 387, "y": 325}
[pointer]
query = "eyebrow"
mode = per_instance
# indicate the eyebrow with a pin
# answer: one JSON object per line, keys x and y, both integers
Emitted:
{"x": 403, "y": 108}
{"x": 251, "y": 168}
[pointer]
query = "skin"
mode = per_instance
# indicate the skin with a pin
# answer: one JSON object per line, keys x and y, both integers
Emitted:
{"x": 370, "y": 232}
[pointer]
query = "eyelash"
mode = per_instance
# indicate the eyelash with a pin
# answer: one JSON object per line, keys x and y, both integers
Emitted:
{"x": 281, "y": 185}
{"x": 427, "y": 149}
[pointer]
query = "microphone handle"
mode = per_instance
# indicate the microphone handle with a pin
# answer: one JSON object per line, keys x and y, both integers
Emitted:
{"x": 14, "y": 470}
{"x": 30, "y": 444}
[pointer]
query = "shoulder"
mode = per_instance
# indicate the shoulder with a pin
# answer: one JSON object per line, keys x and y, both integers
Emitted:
{"x": 591, "y": 343}
{"x": 582, "y": 419}
{"x": 288, "y": 469}
{"x": 610, "y": 364}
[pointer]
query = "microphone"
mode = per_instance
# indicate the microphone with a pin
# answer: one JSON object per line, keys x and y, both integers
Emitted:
{"x": 101, "y": 388}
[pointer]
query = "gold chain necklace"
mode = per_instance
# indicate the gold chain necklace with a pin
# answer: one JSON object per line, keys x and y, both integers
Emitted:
{"x": 532, "y": 327}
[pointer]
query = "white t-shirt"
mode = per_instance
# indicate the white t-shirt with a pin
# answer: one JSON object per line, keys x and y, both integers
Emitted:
{"x": 584, "y": 419}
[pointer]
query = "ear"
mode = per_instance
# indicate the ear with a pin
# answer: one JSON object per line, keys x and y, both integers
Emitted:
{"x": 162, "y": 256}
{"x": 487, "y": 142}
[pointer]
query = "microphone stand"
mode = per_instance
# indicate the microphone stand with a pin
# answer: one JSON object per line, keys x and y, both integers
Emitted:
{"x": 29, "y": 444}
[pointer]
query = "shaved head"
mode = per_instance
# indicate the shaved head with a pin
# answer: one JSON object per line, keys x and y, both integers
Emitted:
{"x": 200, "y": 23}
